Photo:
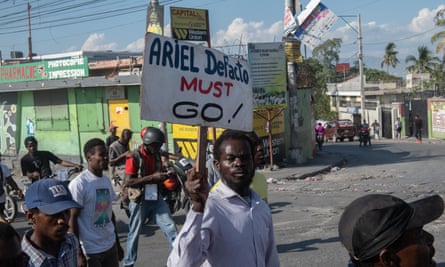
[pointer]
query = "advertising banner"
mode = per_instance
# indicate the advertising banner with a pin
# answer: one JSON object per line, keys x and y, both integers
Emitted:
{"x": 189, "y": 24}
{"x": 45, "y": 70}
{"x": 314, "y": 22}
{"x": 268, "y": 70}
{"x": 194, "y": 85}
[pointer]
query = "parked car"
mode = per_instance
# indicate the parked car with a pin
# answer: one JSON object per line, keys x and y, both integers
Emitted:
{"x": 339, "y": 130}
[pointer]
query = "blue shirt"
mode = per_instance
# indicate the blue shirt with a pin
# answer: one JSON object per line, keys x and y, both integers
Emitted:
{"x": 67, "y": 256}
{"x": 230, "y": 232}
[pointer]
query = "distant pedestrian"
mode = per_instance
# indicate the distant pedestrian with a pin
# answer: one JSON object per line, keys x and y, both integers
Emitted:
{"x": 398, "y": 128}
{"x": 118, "y": 151}
{"x": 383, "y": 230}
{"x": 418, "y": 123}
{"x": 112, "y": 137}
{"x": 376, "y": 127}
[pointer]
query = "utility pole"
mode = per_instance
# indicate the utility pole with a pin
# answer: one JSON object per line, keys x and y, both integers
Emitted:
{"x": 29, "y": 33}
{"x": 155, "y": 24}
{"x": 360, "y": 66}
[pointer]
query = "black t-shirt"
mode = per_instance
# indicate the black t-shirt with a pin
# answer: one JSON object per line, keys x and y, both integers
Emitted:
{"x": 39, "y": 161}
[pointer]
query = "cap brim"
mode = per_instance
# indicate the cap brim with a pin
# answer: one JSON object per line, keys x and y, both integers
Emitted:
{"x": 426, "y": 210}
{"x": 57, "y": 207}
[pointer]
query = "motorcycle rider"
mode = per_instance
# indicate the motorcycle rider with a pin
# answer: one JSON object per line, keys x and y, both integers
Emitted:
{"x": 143, "y": 175}
{"x": 364, "y": 132}
{"x": 36, "y": 163}
{"x": 319, "y": 135}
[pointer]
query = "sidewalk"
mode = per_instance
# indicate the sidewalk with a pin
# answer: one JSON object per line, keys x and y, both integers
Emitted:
{"x": 323, "y": 161}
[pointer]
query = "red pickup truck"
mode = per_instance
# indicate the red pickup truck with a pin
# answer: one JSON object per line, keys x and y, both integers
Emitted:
{"x": 339, "y": 130}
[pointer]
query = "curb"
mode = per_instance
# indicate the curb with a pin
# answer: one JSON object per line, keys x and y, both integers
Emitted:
{"x": 339, "y": 163}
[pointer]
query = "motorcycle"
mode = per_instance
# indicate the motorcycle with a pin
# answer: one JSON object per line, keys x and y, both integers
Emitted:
{"x": 64, "y": 175}
{"x": 11, "y": 198}
{"x": 173, "y": 188}
{"x": 319, "y": 137}
{"x": 364, "y": 137}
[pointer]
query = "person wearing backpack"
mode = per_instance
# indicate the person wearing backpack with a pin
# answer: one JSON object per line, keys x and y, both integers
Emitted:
{"x": 143, "y": 174}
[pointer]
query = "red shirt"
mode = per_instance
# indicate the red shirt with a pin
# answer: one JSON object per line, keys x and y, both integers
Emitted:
{"x": 132, "y": 168}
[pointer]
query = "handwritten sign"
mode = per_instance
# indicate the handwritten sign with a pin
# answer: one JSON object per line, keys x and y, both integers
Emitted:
{"x": 194, "y": 85}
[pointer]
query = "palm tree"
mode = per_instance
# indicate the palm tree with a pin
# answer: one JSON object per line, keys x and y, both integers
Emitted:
{"x": 390, "y": 57}
{"x": 439, "y": 20}
{"x": 424, "y": 63}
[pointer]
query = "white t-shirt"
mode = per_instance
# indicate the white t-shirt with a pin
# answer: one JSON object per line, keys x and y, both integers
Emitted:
{"x": 6, "y": 173}
{"x": 95, "y": 194}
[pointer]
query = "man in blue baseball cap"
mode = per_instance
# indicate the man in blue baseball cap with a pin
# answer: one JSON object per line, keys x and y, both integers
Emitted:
{"x": 48, "y": 203}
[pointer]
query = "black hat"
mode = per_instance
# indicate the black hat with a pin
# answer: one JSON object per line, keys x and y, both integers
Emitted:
{"x": 373, "y": 222}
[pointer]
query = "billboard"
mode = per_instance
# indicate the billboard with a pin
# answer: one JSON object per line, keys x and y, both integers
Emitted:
{"x": 314, "y": 22}
{"x": 268, "y": 70}
{"x": 189, "y": 24}
{"x": 190, "y": 84}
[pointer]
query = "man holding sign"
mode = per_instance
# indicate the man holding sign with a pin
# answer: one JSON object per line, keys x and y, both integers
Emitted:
{"x": 230, "y": 226}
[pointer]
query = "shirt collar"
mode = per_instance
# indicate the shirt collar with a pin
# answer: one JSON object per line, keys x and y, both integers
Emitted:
{"x": 37, "y": 256}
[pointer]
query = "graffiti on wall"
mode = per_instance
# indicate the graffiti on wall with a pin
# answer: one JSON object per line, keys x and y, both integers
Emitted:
{"x": 8, "y": 124}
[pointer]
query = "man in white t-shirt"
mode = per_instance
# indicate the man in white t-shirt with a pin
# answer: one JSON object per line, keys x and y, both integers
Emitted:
{"x": 95, "y": 224}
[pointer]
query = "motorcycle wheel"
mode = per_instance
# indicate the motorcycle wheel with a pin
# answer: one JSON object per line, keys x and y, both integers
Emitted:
{"x": 10, "y": 211}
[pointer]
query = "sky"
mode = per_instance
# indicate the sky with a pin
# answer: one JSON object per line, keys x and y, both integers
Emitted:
{"x": 119, "y": 25}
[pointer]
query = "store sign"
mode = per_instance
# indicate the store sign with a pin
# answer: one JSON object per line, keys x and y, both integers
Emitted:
{"x": 45, "y": 70}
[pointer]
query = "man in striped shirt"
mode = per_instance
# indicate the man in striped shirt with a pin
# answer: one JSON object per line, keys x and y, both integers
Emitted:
{"x": 48, "y": 244}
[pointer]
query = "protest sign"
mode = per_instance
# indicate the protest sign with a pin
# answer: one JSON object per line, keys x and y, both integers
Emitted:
{"x": 194, "y": 85}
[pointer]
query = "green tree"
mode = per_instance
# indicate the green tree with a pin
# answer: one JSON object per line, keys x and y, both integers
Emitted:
{"x": 424, "y": 63}
{"x": 375, "y": 75}
{"x": 321, "y": 99}
{"x": 439, "y": 20}
{"x": 390, "y": 57}
{"x": 328, "y": 53}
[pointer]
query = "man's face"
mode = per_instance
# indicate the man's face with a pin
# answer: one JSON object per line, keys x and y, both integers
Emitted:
{"x": 235, "y": 165}
{"x": 50, "y": 228}
{"x": 416, "y": 249}
{"x": 11, "y": 253}
{"x": 259, "y": 154}
{"x": 99, "y": 159}
{"x": 153, "y": 148}
{"x": 126, "y": 137}
{"x": 31, "y": 147}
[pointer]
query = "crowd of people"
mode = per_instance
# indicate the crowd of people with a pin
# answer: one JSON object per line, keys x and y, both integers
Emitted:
{"x": 229, "y": 222}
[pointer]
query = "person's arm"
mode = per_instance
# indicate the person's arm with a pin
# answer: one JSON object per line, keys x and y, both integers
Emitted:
{"x": 190, "y": 246}
{"x": 66, "y": 163}
{"x": 112, "y": 159}
{"x": 131, "y": 174}
{"x": 154, "y": 178}
{"x": 74, "y": 228}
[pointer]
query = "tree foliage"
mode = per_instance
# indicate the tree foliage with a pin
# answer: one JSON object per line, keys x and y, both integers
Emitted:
{"x": 328, "y": 53}
{"x": 390, "y": 57}
{"x": 374, "y": 75}
{"x": 424, "y": 63}
{"x": 439, "y": 20}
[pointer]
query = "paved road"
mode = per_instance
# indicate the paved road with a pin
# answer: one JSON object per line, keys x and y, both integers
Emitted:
{"x": 306, "y": 211}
